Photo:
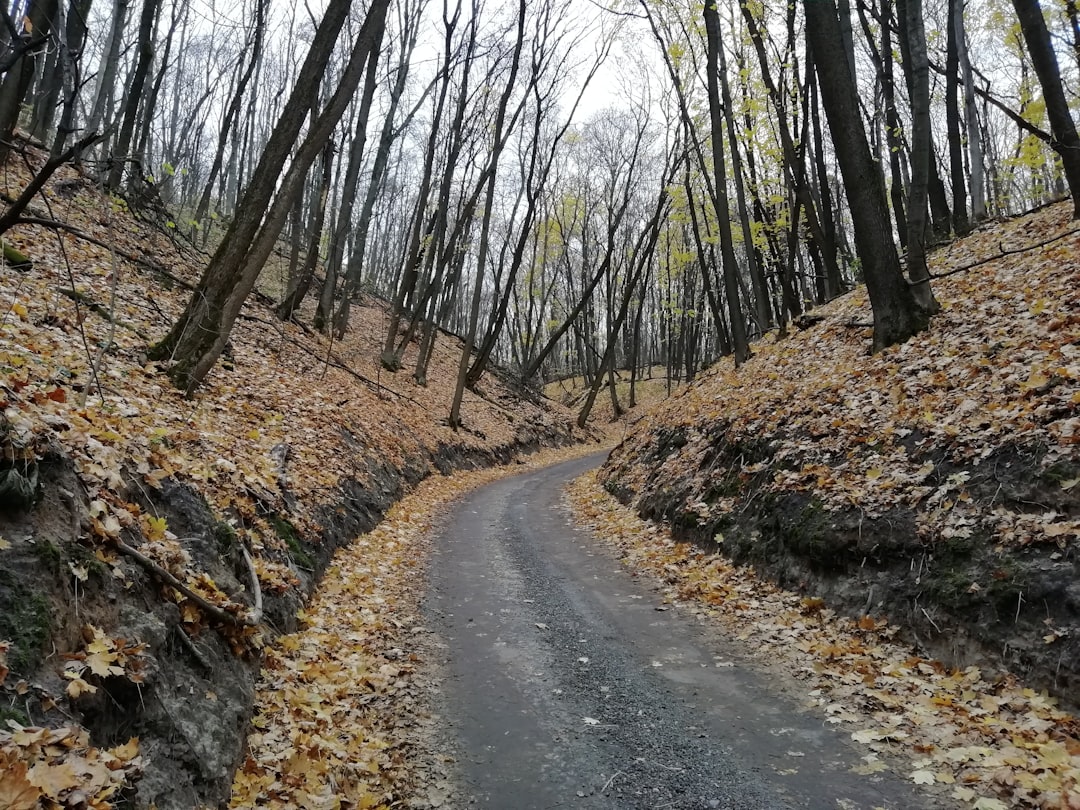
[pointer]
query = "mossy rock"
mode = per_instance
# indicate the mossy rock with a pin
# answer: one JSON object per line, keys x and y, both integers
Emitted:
{"x": 287, "y": 532}
{"x": 25, "y": 621}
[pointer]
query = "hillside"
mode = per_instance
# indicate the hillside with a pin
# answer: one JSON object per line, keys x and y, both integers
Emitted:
{"x": 934, "y": 484}
{"x": 151, "y": 545}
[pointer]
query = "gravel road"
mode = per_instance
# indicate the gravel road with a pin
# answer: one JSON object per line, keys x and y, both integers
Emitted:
{"x": 566, "y": 682}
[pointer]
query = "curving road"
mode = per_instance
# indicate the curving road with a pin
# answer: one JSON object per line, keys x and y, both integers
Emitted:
{"x": 564, "y": 684}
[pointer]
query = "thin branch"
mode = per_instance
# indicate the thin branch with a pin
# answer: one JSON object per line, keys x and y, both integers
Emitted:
{"x": 41, "y": 177}
{"x": 334, "y": 360}
{"x": 131, "y": 257}
{"x": 253, "y": 618}
{"x": 1003, "y": 251}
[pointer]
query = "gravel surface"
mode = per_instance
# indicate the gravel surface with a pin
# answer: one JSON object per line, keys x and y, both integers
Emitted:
{"x": 566, "y": 682}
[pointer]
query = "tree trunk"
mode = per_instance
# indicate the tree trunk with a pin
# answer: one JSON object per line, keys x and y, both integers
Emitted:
{"x": 921, "y": 157}
{"x": 107, "y": 71}
{"x": 971, "y": 115}
{"x": 16, "y": 82}
{"x": 199, "y": 336}
{"x": 1066, "y": 141}
{"x": 300, "y": 282}
{"x": 896, "y": 314}
{"x": 358, "y": 255}
{"x": 727, "y": 251}
{"x": 952, "y": 121}
{"x": 344, "y": 208}
{"x": 233, "y": 110}
{"x": 757, "y": 275}
{"x": 119, "y": 156}
{"x": 485, "y": 224}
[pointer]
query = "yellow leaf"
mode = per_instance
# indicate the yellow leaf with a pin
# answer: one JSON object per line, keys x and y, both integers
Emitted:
{"x": 19, "y": 310}
{"x": 1054, "y": 754}
{"x": 78, "y": 687}
{"x": 16, "y": 791}
{"x": 1036, "y": 380}
{"x": 874, "y": 473}
{"x": 54, "y": 779}
{"x": 126, "y": 752}
{"x": 154, "y": 527}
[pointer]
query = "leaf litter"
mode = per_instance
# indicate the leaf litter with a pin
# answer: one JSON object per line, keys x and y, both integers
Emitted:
{"x": 987, "y": 740}
{"x": 281, "y": 424}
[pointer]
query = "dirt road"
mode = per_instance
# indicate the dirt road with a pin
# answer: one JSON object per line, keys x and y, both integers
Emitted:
{"x": 567, "y": 683}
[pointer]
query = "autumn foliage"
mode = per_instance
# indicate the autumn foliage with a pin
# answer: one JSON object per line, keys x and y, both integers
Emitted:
{"x": 287, "y": 429}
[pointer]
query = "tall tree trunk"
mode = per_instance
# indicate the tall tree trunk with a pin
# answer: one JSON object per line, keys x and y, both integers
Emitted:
{"x": 199, "y": 336}
{"x": 119, "y": 157}
{"x": 921, "y": 157}
{"x": 233, "y": 110}
{"x": 952, "y": 121}
{"x": 1066, "y": 141}
{"x": 107, "y": 71}
{"x": 300, "y": 281}
{"x": 739, "y": 340}
{"x": 358, "y": 255}
{"x": 16, "y": 82}
{"x": 971, "y": 116}
{"x": 763, "y": 317}
{"x": 896, "y": 313}
{"x": 64, "y": 59}
{"x": 485, "y": 224}
{"x": 148, "y": 110}
{"x": 344, "y": 207}
{"x": 406, "y": 285}
{"x": 794, "y": 162}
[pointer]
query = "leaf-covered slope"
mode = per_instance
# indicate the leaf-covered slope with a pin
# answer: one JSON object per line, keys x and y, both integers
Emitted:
{"x": 936, "y": 481}
{"x": 293, "y": 447}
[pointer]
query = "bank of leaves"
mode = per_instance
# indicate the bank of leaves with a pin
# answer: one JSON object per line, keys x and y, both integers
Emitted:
{"x": 284, "y": 421}
{"x": 991, "y": 744}
{"x": 998, "y": 370}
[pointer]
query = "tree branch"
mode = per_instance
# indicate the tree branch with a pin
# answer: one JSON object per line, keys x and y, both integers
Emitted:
{"x": 84, "y": 236}
{"x": 1003, "y": 251}
{"x": 253, "y": 618}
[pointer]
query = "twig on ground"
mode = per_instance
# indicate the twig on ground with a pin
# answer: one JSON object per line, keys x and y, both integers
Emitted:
{"x": 1003, "y": 251}
{"x": 607, "y": 784}
{"x": 251, "y": 620}
{"x": 154, "y": 267}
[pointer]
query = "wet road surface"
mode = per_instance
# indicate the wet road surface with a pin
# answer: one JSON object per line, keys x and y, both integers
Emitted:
{"x": 565, "y": 681}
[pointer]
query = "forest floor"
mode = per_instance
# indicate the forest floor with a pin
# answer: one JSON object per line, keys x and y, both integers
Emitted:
{"x": 152, "y": 545}
{"x": 118, "y": 685}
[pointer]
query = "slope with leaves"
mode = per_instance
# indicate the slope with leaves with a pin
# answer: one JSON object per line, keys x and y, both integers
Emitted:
{"x": 935, "y": 481}
{"x": 988, "y": 743}
{"x": 183, "y": 523}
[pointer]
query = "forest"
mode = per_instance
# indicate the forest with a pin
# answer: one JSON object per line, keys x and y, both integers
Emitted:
{"x": 572, "y": 189}
{"x": 279, "y": 278}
